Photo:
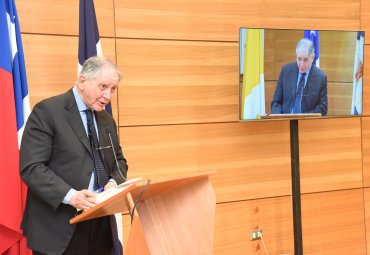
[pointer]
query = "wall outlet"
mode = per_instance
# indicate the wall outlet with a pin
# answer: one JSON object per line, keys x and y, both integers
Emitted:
{"x": 256, "y": 234}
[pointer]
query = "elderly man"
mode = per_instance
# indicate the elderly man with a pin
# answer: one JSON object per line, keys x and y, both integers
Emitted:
{"x": 66, "y": 157}
{"x": 302, "y": 87}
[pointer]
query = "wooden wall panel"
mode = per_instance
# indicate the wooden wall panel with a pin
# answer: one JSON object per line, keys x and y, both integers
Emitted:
{"x": 61, "y": 17}
{"x": 51, "y": 64}
{"x": 220, "y": 20}
{"x": 333, "y": 223}
{"x": 366, "y": 151}
{"x": 366, "y": 80}
{"x": 330, "y": 154}
{"x": 252, "y": 159}
{"x": 365, "y": 19}
{"x": 167, "y": 82}
{"x": 234, "y": 221}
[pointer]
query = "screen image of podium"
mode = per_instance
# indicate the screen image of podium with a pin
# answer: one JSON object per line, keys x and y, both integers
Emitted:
{"x": 173, "y": 216}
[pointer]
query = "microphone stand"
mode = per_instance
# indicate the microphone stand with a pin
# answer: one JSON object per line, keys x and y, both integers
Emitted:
{"x": 124, "y": 178}
{"x": 114, "y": 153}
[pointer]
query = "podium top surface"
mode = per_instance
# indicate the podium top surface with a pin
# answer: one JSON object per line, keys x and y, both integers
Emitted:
{"x": 110, "y": 206}
{"x": 290, "y": 116}
{"x": 164, "y": 185}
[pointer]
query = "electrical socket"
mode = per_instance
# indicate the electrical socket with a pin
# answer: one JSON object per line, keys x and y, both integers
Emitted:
{"x": 256, "y": 234}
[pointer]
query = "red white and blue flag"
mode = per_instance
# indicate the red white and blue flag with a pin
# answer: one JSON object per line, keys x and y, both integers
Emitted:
{"x": 14, "y": 111}
{"x": 313, "y": 35}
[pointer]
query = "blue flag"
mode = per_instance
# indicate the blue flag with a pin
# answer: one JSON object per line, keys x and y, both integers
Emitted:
{"x": 89, "y": 46}
{"x": 313, "y": 35}
{"x": 88, "y": 39}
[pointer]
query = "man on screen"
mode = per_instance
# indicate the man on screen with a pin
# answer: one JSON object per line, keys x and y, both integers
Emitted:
{"x": 302, "y": 87}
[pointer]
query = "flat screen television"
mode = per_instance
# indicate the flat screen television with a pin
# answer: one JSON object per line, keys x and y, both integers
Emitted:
{"x": 269, "y": 73}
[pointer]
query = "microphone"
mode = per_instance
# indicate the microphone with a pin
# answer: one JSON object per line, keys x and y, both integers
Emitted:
{"x": 114, "y": 153}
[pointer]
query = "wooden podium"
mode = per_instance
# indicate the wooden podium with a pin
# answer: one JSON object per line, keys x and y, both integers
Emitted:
{"x": 173, "y": 216}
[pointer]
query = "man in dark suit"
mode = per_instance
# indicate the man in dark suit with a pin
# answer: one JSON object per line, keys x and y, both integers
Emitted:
{"x": 302, "y": 87}
{"x": 58, "y": 164}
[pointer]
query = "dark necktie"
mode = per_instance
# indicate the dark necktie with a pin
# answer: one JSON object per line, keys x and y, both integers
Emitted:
{"x": 298, "y": 95}
{"x": 101, "y": 176}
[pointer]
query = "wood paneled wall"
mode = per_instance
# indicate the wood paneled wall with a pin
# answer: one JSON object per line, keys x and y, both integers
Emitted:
{"x": 177, "y": 109}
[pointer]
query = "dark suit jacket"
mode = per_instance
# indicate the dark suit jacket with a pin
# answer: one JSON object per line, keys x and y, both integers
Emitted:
{"x": 315, "y": 93}
{"x": 56, "y": 156}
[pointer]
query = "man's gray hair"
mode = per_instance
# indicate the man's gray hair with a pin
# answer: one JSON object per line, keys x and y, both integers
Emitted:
{"x": 305, "y": 45}
{"x": 92, "y": 67}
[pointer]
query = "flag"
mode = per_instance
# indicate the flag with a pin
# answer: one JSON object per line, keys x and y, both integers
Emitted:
{"x": 253, "y": 89}
{"x": 88, "y": 39}
{"x": 313, "y": 35}
{"x": 89, "y": 46}
{"x": 356, "y": 107}
{"x": 14, "y": 111}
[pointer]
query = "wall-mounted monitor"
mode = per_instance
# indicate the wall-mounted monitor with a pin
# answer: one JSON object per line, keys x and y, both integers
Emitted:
{"x": 291, "y": 73}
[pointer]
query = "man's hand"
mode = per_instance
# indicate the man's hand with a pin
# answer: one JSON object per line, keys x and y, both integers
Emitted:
{"x": 83, "y": 199}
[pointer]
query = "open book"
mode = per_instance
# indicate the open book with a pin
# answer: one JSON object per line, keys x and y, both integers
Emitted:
{"x": 106, "y": 194}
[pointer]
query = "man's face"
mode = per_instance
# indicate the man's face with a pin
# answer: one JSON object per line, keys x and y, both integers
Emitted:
{"x": 304, "y": 60}
{"x": 97, "y": 92}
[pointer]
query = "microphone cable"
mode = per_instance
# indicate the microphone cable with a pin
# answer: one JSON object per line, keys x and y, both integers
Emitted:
{"x": 264, "y": 245}
{"x": 138, "y": 199}
{"x": 107, "y": 130}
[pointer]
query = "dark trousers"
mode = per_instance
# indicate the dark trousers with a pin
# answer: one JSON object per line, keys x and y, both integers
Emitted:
{"x": 91, "y": 237}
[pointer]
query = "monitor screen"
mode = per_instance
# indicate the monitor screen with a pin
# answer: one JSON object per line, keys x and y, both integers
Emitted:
{"x": 291, "y": 73}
